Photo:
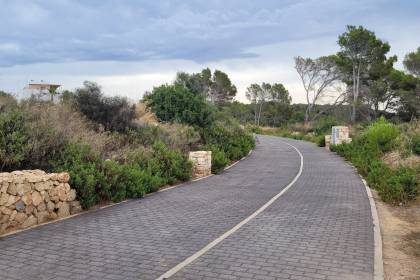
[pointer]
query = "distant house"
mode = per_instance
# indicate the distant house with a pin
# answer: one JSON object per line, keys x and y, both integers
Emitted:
{"x": 41, "y": 89}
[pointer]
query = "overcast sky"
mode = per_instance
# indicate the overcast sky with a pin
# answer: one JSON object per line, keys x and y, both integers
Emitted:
{"x": 130, "y": 46}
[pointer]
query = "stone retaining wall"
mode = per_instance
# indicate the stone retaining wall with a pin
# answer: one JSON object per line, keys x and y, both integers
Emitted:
{"x": 31, "y": 197}
{"x": 201, "y": 163}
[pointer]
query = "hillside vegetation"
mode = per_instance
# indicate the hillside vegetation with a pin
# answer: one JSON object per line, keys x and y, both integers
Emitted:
{"x": 113, "y": 149}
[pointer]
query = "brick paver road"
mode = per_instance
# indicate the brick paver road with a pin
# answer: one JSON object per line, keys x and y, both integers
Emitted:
{"x": 321, "y": 228}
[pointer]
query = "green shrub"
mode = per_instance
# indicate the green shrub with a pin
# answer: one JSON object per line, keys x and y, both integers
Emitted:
{"x": 175, "y": 103}
{"x": 14, "y": 139}
{"x": 129, "y": 181}
{"x": 415, "y": 144}
{"x": 324, "y": 125}
{"x": 401, "y": 185}
{"x": 85, "y": 176}
{"x": 381, "y": 135}
{"x": 218, "y": 160}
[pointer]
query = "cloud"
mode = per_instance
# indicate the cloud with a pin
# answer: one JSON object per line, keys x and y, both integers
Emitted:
{"x": 57, "y": 31}
{"x": 129, "y": 46}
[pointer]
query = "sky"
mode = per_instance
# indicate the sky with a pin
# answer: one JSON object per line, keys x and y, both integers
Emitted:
{"x": 130, "y": 46}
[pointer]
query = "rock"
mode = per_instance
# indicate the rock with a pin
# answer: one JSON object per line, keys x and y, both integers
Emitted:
{"x": 41, "y": 207}
{"x": 36, "y": 198}
{"x": 30, "y": 221}
{"x": 62, "y": 195}
{"x": 45, "y": 196}
{"x": 4, "y": 210}
{"x": 27, "y": 198}
{"x": 63, "y": 177}
{"x": 39, "y": 186}
{"x": 20, "y": 217}
{"x": 43, "y": 216}
{"x": 13, "y": 215}
{"x": 75, "y": 207}
{"x": 4, "y": 218}
{"x": 63, "y": 210}
{"x": 55, "y": 198}
{"x": 12, "y": 200}
{"x": 71, "y": 195}
{"x": 23, "y": 188}
{"x": 3, "y": 187}
{"x": 52, "y": 215}
{"x": 20, "y": 206}
{"x": 50, "y": 206}
{"x": 29, "y": 209}
{"x": 12, "y": 189}
{"x": 4, "y": 197}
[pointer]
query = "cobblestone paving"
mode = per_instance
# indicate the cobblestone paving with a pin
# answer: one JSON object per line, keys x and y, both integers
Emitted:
{"x": 320, "y": 229}
{"x": 142, "y": 239}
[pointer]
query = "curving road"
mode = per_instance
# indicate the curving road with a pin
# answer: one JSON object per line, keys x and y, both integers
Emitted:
{"x": 242, "y": 224}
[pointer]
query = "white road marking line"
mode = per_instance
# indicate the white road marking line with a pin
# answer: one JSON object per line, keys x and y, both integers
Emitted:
{"x": 209, "y": 246}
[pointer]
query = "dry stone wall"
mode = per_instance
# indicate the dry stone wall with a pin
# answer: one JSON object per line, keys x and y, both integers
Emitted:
{"x": 201, "y": 163}
{"x": 31, "y": 197}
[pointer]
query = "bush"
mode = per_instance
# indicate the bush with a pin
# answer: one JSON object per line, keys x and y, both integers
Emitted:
{"x": 175, "y": 103}
{"x": 14, "y": 139}
{"x": 114, "y": 113}
{"x": 229, "y": 138}
{"x": 415, "y": 144}
{"x": 218, "y": 160}
{"x": 85, "y": 176}
{"x": 129, "y": 181}
{"x": 171, "y": 165}
{"x": 381, "y": 135}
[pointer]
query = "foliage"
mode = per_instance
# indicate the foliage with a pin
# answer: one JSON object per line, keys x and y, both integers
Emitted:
{"x": 381, "y": 135}
{"x": 360, "y": 51}
{"x": 229, "y": 138}
{"x": 114, "y": 113}
{"x": 175, "y": 103}
{"x": 394, "y": 185}
{"x": 415, "y": 144}
{"x": 412, "y": 62}
{"x": 85, "y": 175}
{"x": 14, "y": 139}
{"x": 219, "y": 160}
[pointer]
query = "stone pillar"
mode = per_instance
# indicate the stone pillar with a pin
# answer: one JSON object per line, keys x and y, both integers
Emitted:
{"x": 340, "y": 135}
{"x": 201, "y": 163}
{"x": 327, "y": 141}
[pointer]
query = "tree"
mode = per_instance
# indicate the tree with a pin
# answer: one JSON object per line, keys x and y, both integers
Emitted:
{"x": 318, "y": 76}
{"x": 114, "y": 113}
{"x": 197, "y": 83}
{"x": 221, "y": 90}
{"x": 359, "y": 50}
{"x": 412, "y": 62}
{"x": 259, "y": 94}
{"x": 176, "y": 103}
{"x": 216, "y": 87}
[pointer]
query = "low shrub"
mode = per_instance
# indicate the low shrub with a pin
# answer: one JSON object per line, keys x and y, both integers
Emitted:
{"x": 219, "y": 160}
{"x": 415, "y": 144}
{"x": 86, "y": 177}
{"x": 381, "y": 135}
{"x": 393, "y": 184}
{"x": 14, "y": 139}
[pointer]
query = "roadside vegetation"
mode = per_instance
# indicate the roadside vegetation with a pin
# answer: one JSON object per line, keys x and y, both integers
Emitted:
{"x": 114, "y": 149}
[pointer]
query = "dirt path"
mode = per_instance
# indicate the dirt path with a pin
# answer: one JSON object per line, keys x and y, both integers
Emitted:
{"x": 400, "y": 227}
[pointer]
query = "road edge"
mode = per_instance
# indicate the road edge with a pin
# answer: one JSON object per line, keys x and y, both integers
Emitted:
{"x": 378, "y": 266}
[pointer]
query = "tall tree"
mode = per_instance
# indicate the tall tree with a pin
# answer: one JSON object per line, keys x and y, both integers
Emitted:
{"x": 260, "y": 94}
{"x": 216, "y": 87}
{"x": 318, "y": 77}
{"x": 221, "y": 90}
{"x": 359, "y": 50}
{"x": 412, "y": 62}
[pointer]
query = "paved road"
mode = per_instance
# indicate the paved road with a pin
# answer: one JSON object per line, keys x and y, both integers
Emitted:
{"x": 321, "y": 228}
